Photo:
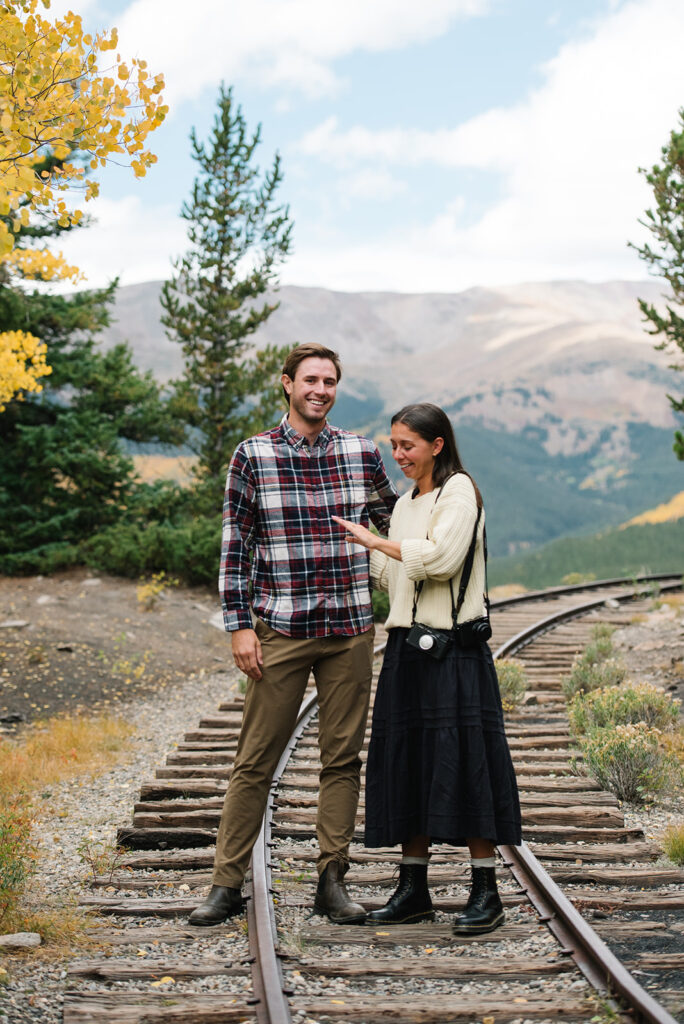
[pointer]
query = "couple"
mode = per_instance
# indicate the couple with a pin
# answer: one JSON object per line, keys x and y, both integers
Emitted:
{"x": 294, "y": 583}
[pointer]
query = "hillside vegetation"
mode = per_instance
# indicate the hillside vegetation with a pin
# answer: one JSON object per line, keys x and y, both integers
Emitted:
{"x": 653, "y": 547}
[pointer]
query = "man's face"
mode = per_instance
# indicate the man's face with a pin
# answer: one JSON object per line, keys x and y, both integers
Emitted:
{"x": 313, "y": 390}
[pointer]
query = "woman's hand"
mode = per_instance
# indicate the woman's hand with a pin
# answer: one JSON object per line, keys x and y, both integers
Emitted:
{"x": 357, "y": 534}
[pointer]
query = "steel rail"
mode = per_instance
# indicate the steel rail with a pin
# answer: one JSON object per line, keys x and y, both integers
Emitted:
{"x": 541, "y": 595}
{"x": 525, "y": 636}
{"x": 595, "y": 960}
{"x": 578, "y": 939}
{"x": 270, "y": 994}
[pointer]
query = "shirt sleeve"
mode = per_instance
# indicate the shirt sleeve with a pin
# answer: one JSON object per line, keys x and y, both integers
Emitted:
{"x": 440, "y": 556}
{"x": 382, "y": 498}
{"x": 239, "y": 515}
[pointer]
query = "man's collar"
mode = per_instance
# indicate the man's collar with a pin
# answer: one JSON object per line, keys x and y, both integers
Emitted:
{"x": 297, "y": 440}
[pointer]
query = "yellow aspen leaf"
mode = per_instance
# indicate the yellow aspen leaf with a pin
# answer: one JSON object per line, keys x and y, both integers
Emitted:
{"x": 22, "y": 364}
{"x": 52, "y": 95}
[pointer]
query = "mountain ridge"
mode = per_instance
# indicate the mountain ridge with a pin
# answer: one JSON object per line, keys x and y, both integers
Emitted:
{"x": 557, "y": 393}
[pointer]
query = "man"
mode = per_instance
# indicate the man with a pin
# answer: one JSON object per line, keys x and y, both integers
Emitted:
{"x": 296, "y": 599}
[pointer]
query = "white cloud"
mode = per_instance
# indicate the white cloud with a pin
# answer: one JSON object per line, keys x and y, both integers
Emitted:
{"x": 568, "y": 157}
{"x": 371, "y": 183}
{"x": 130, "y": 240}
{"x": 288, "y": 43}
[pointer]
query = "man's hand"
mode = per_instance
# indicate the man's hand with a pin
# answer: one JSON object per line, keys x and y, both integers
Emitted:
{"x": 247, "y": 652}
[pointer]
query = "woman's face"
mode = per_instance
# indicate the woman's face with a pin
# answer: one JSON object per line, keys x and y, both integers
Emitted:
{"x": 414, "y": 455}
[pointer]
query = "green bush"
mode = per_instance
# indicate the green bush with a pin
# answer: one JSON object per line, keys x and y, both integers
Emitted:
{"x": 597, "y": 667}
{"x": 622, "y": 705}
{"x": 629, "y": 761}
{"x": 513, "y": 681}
{"x": 190, "y": 549}
{"x": 381, "y": 605}
{"x": 602, "y": 631}
{"x": 573, "y": 578}
{"x": 593, "y": 675}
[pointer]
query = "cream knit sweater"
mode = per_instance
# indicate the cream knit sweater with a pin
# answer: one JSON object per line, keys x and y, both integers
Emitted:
{"x": 448, "y": 525}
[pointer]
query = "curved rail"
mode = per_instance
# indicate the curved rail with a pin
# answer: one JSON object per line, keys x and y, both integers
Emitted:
{"x": 598, "y": 964}
{"x": 572, "y": 588}
{"x": 525, "y": 636}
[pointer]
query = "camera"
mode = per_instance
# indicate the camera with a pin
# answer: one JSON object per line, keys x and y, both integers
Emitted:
{"x": 435, "y": 642}
{"x": 472, "y": 633}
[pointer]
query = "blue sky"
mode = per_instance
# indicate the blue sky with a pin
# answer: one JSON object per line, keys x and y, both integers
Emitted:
{"x": 426, "y": 146}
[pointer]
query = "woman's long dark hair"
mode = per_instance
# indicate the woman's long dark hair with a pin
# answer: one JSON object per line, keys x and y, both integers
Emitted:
{"x": 430, "y": 422}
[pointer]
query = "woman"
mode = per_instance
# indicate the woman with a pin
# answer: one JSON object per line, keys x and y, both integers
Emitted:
{"x": 439, "y": 769}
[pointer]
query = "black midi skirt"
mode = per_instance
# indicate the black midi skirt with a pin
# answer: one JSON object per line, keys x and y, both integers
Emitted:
{"x": 438, "y": 761}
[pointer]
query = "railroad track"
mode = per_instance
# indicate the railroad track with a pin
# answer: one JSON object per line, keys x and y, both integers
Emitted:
{"x": 582, "y": 876}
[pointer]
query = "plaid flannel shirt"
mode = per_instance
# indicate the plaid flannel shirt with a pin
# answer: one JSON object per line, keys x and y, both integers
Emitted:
{"x": 282, "y": 555}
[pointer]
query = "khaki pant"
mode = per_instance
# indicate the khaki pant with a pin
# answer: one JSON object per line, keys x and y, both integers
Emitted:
{"x": 342, "y": 668}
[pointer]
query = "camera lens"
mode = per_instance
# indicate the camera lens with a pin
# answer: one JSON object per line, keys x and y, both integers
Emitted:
{"x": 426, "y": 642}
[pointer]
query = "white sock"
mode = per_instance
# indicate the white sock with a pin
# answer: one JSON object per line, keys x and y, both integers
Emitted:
{"x": 415, "y": 860}
{"x": 483, "y": 862}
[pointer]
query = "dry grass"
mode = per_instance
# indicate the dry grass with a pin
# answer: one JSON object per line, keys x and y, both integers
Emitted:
{"x": 507, "y": 590}
{"x": 59, "y": 749}
{"x": 666, "y": 513}
{"x": 49, "y": 752}
{"x": 673, "y": 843}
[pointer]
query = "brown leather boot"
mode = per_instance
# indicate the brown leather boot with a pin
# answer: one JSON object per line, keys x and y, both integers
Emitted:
{"x": 332, "y": 899}
{"x": 221, "y": 903}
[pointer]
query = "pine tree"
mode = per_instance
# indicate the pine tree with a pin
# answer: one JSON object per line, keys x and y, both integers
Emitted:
{"x": 238, "y": 236}
{"x": 64, "y": 469}
{"x": 666, "y": 257}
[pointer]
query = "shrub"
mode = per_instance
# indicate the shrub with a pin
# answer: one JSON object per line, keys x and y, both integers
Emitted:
{"x": 17, "y": 852}
{"x": 673, "y": 844}
{"x": 380, "y": 605}
{"x": 597, "y": 666}
{"x": 629, "y": 761}
{"x": 513, "y": 681}
{"x": 593, "y": 675}
{"x": 573, "y": 578}
{"x": 149, "y": 591}
{"x": 622, "y": 705}
{"x": 602, "y": 631}
{"x": 189, "y": 549}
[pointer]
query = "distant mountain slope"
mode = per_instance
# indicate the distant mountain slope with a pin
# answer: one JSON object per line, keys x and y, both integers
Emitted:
{"x": 665, "y": 513}
{"x": 555, "y": 389}
{"x": 655, "y": 547}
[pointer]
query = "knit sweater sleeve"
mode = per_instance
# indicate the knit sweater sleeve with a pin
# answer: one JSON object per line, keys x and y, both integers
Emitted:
{"x": 379, "y": 563}
{"x": 440, "y": 556}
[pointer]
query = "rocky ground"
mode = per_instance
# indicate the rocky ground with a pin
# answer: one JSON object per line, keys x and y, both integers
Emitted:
{"x": 83, "y": 642}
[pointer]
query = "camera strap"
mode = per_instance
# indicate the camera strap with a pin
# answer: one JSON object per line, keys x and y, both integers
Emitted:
{"x": 465, "y": 573}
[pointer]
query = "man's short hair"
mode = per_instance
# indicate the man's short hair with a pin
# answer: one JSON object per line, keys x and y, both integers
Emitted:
{"x": 302, "y": 352}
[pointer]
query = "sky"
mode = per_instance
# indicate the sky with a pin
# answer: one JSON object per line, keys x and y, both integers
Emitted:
{"x": 426, "y": 146}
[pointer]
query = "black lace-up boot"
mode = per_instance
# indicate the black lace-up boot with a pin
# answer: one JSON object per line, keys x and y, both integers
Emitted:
{"x": 410, "y": 902}
{"x": 332, "y": 899}
{"x": 484, "y": 911}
